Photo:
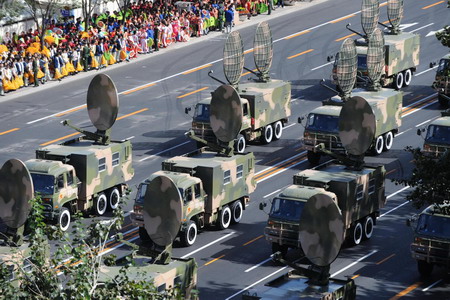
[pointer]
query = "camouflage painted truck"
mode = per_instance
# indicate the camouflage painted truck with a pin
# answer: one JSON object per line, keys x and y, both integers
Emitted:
{"x": 88, "y": 172}
{"x": 266, "y": 103}
{"x": 431, "y": 243}
{"x": 442, "y": 80}
{"x": 437, "y": 139}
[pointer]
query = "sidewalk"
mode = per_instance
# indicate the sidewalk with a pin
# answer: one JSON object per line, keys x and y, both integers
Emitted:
{"x": 298, "y": 5}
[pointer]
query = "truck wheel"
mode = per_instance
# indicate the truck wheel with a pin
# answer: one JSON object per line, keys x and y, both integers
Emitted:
{"x": 424, "y": 268}
{"x": 277, "y": 130}
{"x": 64, "y": 219}
{"x": 143, "y": 235}
{"x": 357, "y": 233}
{"x": 267, "y": 134}
{"x": 398, "y": 81}
{"x": 114, "y": 198}
{"x": 313, "y": 157}
{"x": 388, "y": 140}
{"x": 236, "y": 210}
{"x": 100, "y": 204}
{"x": 368, "y": 227}
{"x": 283, "y": 249}
{"x": 442, "y": 101}
{"x": 239, "y": 145}
{"x": 224, "y": 217}
{"x": 379, "y": 144}
{"x": 189, "y": 236}
{"x": 407, "y": 77}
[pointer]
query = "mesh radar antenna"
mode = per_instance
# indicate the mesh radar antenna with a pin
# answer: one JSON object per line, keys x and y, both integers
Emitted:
{"x": 16, "y": 191}
{"x": 395, "y": 15}
{"x": 263, "y": 51}
{"x": 370, "y": 14}
{"x": 103, "y": 107}
{"x": 375, "y": 59}
{"x": 346, "y": 68}
{"x": 233, "y": 58}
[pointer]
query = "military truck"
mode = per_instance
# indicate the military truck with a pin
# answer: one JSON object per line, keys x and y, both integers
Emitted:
{"x": 214, "y": 186}
{"x": 321, "y": 124}
{"x": 266, "y": 102}
{"x": 88, "y": 172}
{"x": 431, "y": 244}
{"x": 441, "y": 81}
{"x": 437, "y": 139}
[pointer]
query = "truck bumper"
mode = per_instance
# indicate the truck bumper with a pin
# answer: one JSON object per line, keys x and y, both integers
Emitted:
{"x": 281, "y": 237}
{"x": 435, "y": 256}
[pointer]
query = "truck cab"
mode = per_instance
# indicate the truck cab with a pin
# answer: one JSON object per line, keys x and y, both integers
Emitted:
{"x": 441, "y": 81}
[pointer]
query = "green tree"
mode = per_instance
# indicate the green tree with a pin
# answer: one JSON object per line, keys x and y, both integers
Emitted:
{"x": 444, "y": 35}
{"x": 430, "y": 178}
{"x": 10, "y": 10}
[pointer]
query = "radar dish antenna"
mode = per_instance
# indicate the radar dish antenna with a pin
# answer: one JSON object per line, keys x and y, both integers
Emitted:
{"x": 263, "y": 50}
{"x": 370, "y": 13}
{"x": 375, "y": 58}
{"x": 102, "y": 102}
{"x": 395, "y": 14}
{"x": 226, "y": 113}
{"x": 356, "y": 126}
{"x": 346, "y": 68}
{"x": 162, "y": 210}
{"x": 233, "y": 58}
{"x": 16, "y": 191}
{"x": 321, "y": 238}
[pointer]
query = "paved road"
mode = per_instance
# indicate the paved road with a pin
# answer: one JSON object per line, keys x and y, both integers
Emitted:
{"x": 154, "y": 92}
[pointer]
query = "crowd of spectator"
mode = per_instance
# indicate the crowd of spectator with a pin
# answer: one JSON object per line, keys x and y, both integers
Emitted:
{"x": 71, "y": 45}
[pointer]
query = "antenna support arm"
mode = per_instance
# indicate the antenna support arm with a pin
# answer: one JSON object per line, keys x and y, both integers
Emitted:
{"x": 354, "y": 31}
{"x": 215, "y": 78}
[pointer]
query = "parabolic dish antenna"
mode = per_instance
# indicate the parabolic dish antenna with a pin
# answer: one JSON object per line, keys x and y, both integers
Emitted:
{"x": 263, "y": 48}
{"x": 347, "y": 66}
{"x": 233, "y": 58}
{"x": 370, "y": 13}
{"x": 395, "y": 12}
{"x": 102, "y": 102}
{"x": 375, "y": 55}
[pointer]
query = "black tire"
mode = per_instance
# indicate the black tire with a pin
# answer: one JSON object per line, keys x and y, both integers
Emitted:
{"x": 398, "y": 81}
{"x": 114, "y": 199}
{"x": 277, "y": 130}
{"x": 267, "y": 134}
{"x": 357, "y": 233}
{"x": 240, "y": 143}
{"x": 143, "y": 234}
{"x": 388, "y": 141}
{"x": 100, "y": 204}
{"x": 64, "y": 219}
{"x": 379, "y": 145}
{"x": 283, "y": 249}
{"x": 189, "y": 235}
{"x": 313, "y": 157}
{"x": 368, "y": 227}
{"x": 236, "y": 212}
{"x": 425, "y": 268}
{"x": 407, "y": 77}
{"x": 224, "y": 217}
{"x": 442, "y": 101}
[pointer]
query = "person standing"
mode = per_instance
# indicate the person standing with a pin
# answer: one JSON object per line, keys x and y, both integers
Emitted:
{"x": 157, "y": 31}
{"x": 270, "y": 6}
{"x": 280, "y": 2}
{"x": 86, "y": 55}
{"x": 36, "y": 70}
{"x": 229, "y": 17}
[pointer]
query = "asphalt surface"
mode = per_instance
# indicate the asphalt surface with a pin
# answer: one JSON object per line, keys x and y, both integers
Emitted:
{"x": 153, "y": 94}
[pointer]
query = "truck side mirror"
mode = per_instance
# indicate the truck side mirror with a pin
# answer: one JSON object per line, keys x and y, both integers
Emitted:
{"x": 60, "y": 183}
{"x": 187, "y": 110}
{"x": 408, "y": 222}
{"x": 300, "y": 119}
{"x": 432, "y": 64}
{"x": 419, "y": 132}
{"x": 262, "y": 205}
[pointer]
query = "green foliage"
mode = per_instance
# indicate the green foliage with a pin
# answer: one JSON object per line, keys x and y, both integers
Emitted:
{"x": 430, "y": 178}
{"x": 444, "y": 36}
{"x": 10, "y": 10}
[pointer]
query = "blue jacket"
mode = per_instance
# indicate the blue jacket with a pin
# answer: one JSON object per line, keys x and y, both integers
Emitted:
{"x": 229, "y": 15}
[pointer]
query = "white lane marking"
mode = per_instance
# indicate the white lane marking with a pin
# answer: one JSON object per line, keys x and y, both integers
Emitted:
{"x": 403, "y": 132}
{"x": 55, "y": 114}
{"x": 354, "y": 263}
{"x": 130, "y": 138}
{"x": 274, "y": 192}
{"x": 207, "y": 245}
{"x": 432, "y": 33}
{"x": 430, "y": 286}
{"x": 397, "y": 192}
{"x": 421, "y": 100}
{"x": 255, "y": 283}
{"x": 324, "y": 65}
{"x": 416, "y": 110}
{"x": 290, "y": 125}
{"x": 404, "y": 26}
{"x": 424, "y": 122}
{"x": 397, "y": 207}
{"x": 118, "y": 246}
{"x": 156, "y": 154}
{"x": 425, "y": 26}
{"x": 282, "y": 170}
{"x": 281, "y": 162}
{"x": 257, "y": 265}
{"x": 427, "y": 70}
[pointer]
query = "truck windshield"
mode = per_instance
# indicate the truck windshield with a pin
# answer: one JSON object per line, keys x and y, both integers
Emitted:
{"x": 43, "y": 184}
{"x": 202, "y": 112}
{"x": 435, "y": 226}
{"x": 288, "y": 210}
{"x": 438, "y": 134}
{"x": 141, "y": 193}
{"x": 443, "y": 67}
{"x": 362, "y": 62}
{"x": 327, "y": 123}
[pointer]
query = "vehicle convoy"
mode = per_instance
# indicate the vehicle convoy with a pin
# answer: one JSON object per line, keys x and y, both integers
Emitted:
{"x": 265, "y": 102}
{"x": 322, "y": 123}
{"x": 441, "y": 81}
{"x": 214, "y": 186}
{"x": 401, "y": 49}
{"x": 358, "y": 190}
{"x": 437, "y": 139}
{"x": 153, "y": 261}
{"x": 431, "y": 244}
{"x": 88, "y": 172}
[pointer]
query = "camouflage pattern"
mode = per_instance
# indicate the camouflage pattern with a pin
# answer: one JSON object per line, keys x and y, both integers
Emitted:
{"x": 436, "y": 145}
{"x": 102, "y": 102}
{"x": 162, "y": 210}
{"x": 342, "y": 184}
{"x": 16, "y": 190}
{"x": 179, "y": 272}
{"x": 442, "y": 80}
{"x": 402, "y": 52}
{"x": 83, "y": 157}
{"x": 431, "y": 242}
{"x": 356, "y": 125}
{"x": 214, "y": 191}
{"x": 321, "y": 238}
